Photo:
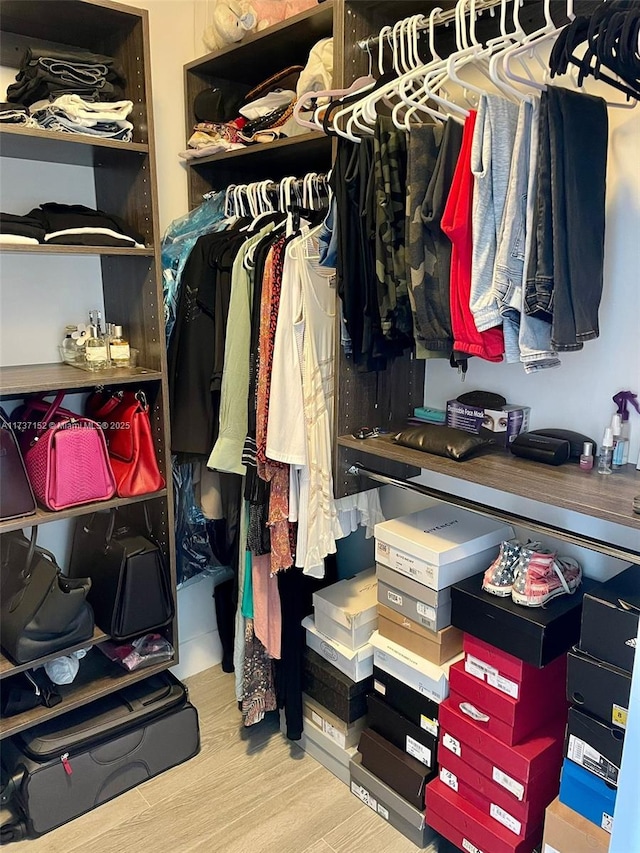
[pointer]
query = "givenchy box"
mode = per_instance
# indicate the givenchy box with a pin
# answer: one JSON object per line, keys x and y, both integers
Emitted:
{"x": 356, "y": 664}
{"x": 415, "y": 706}
{"x": 509, "y": 674}
{"x": 501, "y": 426}
{"x": 346, "y": 611}
{"x": 540, "y": 753}
{"x": 436, "y": 646}
{"x": 404, "y": 774}
{"x": 460, "y": 774}
{"x": 588, "y": 795}
{"x": 565, "y": 831}
{"x": 439, "y": 545}
{"x": 598, "y": 688}
{"x": 508, "y": 719}
{"x": 465, "y": 825}
{"x": 344, "y": 734}
{"x": 383, "y": 800}
{"x": 610, "y": 619}
{"x": 429, "y": 607}
{"x": 399, "y": 731}
{"x": 427, "y": 678}
{"x": 594, "y": 745}
{"x": 536, "y": 635}
{"x": 345, "y": 698}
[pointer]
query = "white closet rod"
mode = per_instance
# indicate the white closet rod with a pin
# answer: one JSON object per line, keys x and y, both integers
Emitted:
{"x": 440, "y": 19}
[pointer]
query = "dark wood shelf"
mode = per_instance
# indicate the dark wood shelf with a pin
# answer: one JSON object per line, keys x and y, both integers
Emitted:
{"x": 34, "y": 143}
{"x": 8, "y": 668}
{"x": 270, "y": 50}
{"x": 53, "y": 249}
{"x": 566, "y": 486}
{"x": 97, "y": 677}
{"x": 43, "y": 516}
{"x": 30, "y": 378}
{"x": 264, "y": 150}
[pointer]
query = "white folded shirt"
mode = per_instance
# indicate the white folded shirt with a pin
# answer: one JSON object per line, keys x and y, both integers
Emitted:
{"x": 267, "y": 104}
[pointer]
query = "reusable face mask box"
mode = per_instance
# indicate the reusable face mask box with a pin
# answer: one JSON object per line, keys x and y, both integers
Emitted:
{"x": 346, "y": 611}
{"x": 440, "y": 545}
{"x": 499, "y": 425}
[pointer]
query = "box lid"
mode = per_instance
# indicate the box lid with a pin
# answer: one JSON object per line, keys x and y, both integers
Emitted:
{"x": 329, "y": 645}
{"x": 409, "y": 586}
{"x": 442, "y": 534}
{"x": 437, "y": 674}
{"x": 351, "y": 602}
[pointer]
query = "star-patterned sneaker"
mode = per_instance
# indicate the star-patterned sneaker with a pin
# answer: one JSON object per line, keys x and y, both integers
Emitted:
{"x": 498, "y": 578}
{"x": 541, "y": 576}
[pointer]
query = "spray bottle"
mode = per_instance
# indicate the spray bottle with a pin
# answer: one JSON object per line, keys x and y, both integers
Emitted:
{"x": 621, "y": 444}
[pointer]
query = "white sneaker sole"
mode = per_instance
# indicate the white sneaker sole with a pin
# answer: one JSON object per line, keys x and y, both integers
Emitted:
{"x": 501, "y": 591}
{"x": 539, "y": 602}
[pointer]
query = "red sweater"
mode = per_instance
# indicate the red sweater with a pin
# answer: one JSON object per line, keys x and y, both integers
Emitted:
{"x": 456, "y": 224}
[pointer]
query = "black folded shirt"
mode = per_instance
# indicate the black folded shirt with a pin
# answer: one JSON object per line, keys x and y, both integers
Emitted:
{"x": 75, "y": 224}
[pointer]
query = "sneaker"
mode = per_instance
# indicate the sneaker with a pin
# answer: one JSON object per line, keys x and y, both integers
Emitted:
{"x": 542, "y": 575}
{"x": 498, "y": 578}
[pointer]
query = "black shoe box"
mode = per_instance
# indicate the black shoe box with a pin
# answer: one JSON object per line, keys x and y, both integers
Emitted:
{"x": 401, "y": 772}
{"x": 610, "y": 619}
{"x": 415, "y": 707}
{"x": 598, "y": 688}
{"x": 334, "y": 690}
{"x": 536, "y": 635}
{"x": 594, "y": 745}
{"x": 399, "y": 731}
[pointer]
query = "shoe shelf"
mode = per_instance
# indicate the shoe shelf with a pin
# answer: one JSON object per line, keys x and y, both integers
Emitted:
{"x": 97, "y": 677}
{"x": 7, "y": 667}
{"x": 21, "y": 379}
{"x": 565, "y": 487}
{"x": 34, "y": 143}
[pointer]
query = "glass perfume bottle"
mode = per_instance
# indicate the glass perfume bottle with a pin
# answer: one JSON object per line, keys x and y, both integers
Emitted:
{"x": 69, "y": 349}
{"x": 120, "y": 350}
{"x": 95, "y": 349}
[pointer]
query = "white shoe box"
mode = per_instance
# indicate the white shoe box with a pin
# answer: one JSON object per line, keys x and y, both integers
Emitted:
{"x": 427, "y": 678}
{"x": 428, "y": 607}
{"x": 356, "y": 664}
{"x": 346, "y": 611}
{"x": 345, "y": 735}
{"x": 441, "y": 545}
{"x": 324, "y": 750}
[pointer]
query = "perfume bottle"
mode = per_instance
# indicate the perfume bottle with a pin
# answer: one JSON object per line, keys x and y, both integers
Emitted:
{"x": 120, "y": 350}
{"x": 69, "y": 349}
{"x": 586, "y": 458}
{"x": 606, "y": 452}
{"x": 95, "y": 349}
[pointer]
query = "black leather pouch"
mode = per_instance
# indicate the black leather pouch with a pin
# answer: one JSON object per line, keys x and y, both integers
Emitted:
{"x": 441, "y": 441}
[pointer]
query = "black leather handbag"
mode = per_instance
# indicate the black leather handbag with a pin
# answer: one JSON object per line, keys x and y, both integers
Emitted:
{"x": 16, "y": 494}
{"x": 42, "y": 610}
{"x": 131, "y": 590}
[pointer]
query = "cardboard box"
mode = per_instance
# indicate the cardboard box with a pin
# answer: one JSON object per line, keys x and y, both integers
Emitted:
{"x": 610, "y": 620}
{"x": 594, "y": 745}
{"x": 346, "y": 611}
{"x": 536, "y": 635}
{"x": 327, "y": 752}
{"x": 510, "y": 720}
{"x": 510, "y": 675}
{"x": 541, "y": 753}
{"x": 598, "y": 688}
{"x": 436, "y": 646}
{"x": 401, "y": 772}
{"x": 345, "y": 698}
{"x": 500, "y": 426}
{"x": 399, "y": 731}
{"x": 415, "y": 706}
{"x": 466, "y": 826}
{"x": 588, "y": 795}
{"x": 461, "y": 775}
{"x": 427, "y": 678}
{"x": 407, "y": 597}
{"x": 408, "y": 820}
{"x": 565, "y": 831}
{"x": 439, "y": 545}
{"x": 345, "y": 735}
{"x": 356, "y": 664}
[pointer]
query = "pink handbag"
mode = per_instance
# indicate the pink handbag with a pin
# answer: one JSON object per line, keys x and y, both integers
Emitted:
{"x": 65, "y": 455}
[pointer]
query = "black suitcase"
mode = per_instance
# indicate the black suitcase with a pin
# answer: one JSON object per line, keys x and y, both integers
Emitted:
{"x": 73, "y": 763}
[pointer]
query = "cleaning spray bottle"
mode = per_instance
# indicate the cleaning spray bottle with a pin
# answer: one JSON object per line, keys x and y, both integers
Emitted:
{"x": 621, "y": 443}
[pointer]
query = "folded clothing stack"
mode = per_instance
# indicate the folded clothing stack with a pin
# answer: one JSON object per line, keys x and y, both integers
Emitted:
{"x": 46, "y": 73}
{"x": 16, "y": 114}
{"x": 69, "y": 225}
{"x": 73, "y": 114}
{"x": 211, "y": 137}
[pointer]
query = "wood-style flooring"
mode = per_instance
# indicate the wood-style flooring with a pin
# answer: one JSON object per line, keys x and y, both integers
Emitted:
{"x": 248, "y": 791}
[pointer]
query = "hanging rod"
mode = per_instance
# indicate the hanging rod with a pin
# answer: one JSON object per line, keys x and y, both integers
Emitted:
{"x": 440, "y": 19}
{"x": 358, "y": 469}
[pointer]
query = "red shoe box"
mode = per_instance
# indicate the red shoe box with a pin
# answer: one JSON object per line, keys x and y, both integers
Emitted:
{"x": 510, "y": 720}
{"x": 524, "y": 766}
{"x": 462, "y": 823}
{"x": 529, "y": 812}
{"x": 512, "y": 676}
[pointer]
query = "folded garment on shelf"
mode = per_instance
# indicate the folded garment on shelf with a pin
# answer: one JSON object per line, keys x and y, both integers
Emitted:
{"x": 77, "y": 225}
{"x": 77, "y": 109}
{"x": 266, "y": 104}
{"x": 16, "y": 229}
{"x": 50, "y": 119}
{"x": 16, "y": 114}
{"x": 212, "y": 138}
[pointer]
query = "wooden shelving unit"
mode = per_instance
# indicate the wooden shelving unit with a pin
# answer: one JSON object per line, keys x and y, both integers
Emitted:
{"x": 7, "y": 667}
{"x": 124, "y": 177}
